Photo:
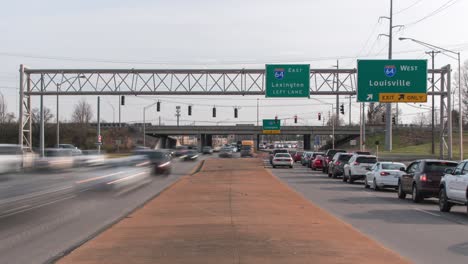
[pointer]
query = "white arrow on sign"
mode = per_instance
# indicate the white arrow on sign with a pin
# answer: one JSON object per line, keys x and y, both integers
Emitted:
{"x": 369, "y": 97}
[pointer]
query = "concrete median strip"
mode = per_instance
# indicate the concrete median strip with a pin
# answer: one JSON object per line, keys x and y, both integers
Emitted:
{"x": 231, "y": 211}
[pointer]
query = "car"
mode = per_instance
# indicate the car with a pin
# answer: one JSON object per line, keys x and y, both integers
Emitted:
{"x": 217, "y": 149}
{"x": 453, "y": 188}
{"x": 305, "y": 158}
{"x": 297, "y": 156}
{"x": 314, "y": 154}
{"x": 282, "y": 159}
{"x": 90, "y": 158}
{"x": 11, "y": 158}
{"x": 384, "y": 175}
{"x": 422, "y": 179}
{"x": 246, "y": 151}
{"x": 74, "y": 150}
{"x": 190, "y": 155}
{"x": 317, "y": 163}
{"x": 276, "y": 151}
{"x": 55, "y": 159}
{"x": 357, "y": 166}
{"x": 329, "y": 154}
{"x": 180, "y": 150}
{"x": 207, "y": 150}
{"x": 160, "y": 161}
{"x": 225, "y": 152}
{"x": 336, "y": 165}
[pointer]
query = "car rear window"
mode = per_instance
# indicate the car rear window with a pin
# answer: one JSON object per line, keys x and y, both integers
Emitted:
{"x": 438, "y": 166}
{"x": 395, "y": 166}
{"x": 366, "y": 160}
{"x": 299, "y": 153}
{"x": 344, "y": 157}
{"x": 332, "y": 153}
{"x": 281, "y": 151}
{"x": 283, "y": 155}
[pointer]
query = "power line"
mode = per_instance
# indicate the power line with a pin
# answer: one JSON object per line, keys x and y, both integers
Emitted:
{"x": 446, "y": 5}
{"x": 408, "y": 7}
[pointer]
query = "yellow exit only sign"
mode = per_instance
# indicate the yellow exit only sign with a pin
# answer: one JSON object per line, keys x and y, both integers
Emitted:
{"x": 402, "y": 97}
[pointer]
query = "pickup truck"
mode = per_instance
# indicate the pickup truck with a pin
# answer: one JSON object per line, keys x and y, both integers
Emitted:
{"x": 454, "y": 187}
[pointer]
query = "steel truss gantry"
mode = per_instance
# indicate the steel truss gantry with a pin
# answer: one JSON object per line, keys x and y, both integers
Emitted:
{"x": 44, "y": 82}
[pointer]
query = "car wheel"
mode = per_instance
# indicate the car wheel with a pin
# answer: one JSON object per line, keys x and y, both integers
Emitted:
{"x": 290, "y": 167}
{"x": 444, "y": 204}
{"x": 416, "y": 195}
{"x": 350, "y": 178}
{"x": 401, "y": 193}
{"x": 366, "y": 184}
{"x": 274, "y": 167}
{"x": 345, "y": 179}
{"x": 374, "y": 185}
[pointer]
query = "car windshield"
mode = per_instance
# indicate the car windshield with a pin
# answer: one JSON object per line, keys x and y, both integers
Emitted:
{"x": 371, "y": 160}
{"x": 438, "y": 166}
{"x": 155, "y": 154}
{"x": 344, "y": 158}
{"x": 392, "y": 166}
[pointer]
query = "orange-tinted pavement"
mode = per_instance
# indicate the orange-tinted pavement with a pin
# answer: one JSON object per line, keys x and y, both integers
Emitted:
{"x": 232, "y": 211}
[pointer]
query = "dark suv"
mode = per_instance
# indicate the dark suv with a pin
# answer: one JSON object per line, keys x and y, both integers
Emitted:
{"x": 329, "y": 156}
{"x": 336, "y": 165}
{"x": 422, "y": 179}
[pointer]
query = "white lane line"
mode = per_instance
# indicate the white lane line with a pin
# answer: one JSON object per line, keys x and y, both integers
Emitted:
{"x": 38, "y": 206}
{"x": 127, "y": 190}
{"x": 16, "y": 208}
{"x": 424, "y": 211}
{"x": 127, "y": 178}
{"x": 99, "y": 177}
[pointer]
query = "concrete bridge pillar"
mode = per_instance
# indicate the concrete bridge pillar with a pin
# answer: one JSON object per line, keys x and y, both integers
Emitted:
{"x": 307, "y": 142}
{"x": 208, "y": 140}
{"x": 163, "y": 142}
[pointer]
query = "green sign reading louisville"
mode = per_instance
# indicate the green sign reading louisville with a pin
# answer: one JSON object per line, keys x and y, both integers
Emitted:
{"x": 287, "y": 80}
{"x": 271, "y": 124}
{"x": 389, "y": 81}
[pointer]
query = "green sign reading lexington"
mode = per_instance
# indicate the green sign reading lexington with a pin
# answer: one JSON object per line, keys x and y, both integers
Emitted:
{"x": 287, "y": 80}
{"x": 271, "y": 126}
{"x": 389, "y": 81}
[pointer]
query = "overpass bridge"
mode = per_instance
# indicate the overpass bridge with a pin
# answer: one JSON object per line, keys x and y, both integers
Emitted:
{"x": 205, "y": 133}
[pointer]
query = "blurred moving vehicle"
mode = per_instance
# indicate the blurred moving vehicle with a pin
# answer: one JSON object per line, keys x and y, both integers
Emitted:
{"x": 329, "y": 154}
{"x": 55, "y": 159}
{"x": 74, "y": 150}
{"x": 317, "y": 163}
{"x": 336, "y": 165}
{"x": 282, "y": 159}
{"x": 384, "y": 175}
{"x": 298, "y": 156}
{"x": 226, "y": 152}
{"x": 422, "y": 179}
{"x": 11, "y": 158}
{"x": 160, "y": 160}
{"x": 453, "y": 188}
{"x": 90, "y": 158}
{"x": 190, "y": 155}
{"x": 247, "y": 148}
{"x": 217, "y": 149}
{"x": 357, "y": 167}
{"x": 180, "y": 150}
{"x": 207, "y": 150}
{"x": 276, "y": 151}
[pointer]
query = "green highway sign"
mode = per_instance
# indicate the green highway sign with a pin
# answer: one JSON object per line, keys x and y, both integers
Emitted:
{"x": 287, "y": 80}
{"x": 389, "y": 81}
{"x": 271, "y": 126}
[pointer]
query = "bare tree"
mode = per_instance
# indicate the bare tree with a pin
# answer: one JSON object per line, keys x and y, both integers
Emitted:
{"x": 464, "y": 86}
{"x": 36, "y": 115}
{"x": 82, "y": 113}
{"x": 421, "y": 119}
{"x": 337, "y": 121}
{"x": 5, "y": 116}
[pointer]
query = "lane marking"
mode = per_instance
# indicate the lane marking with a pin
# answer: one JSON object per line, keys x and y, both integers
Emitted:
{"x": 38, "y": 206}
{"x": 16, "y": 208}
{"x": 127, "y": 178}
{"x": 99, "y": 177}
{"x": 424, "y": 211}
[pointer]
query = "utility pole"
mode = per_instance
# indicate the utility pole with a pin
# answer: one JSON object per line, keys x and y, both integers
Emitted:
{"x": 388, "y": 106}
{"x": 177, "y": 114}
{"x": 99, "y": 124}
{"x": 120, "y": 124}
{"x": 337, "y": 66}
{"x": 257, "y": 111}
{"x": 58, "y": 121}
{"x": 432, "y": 54}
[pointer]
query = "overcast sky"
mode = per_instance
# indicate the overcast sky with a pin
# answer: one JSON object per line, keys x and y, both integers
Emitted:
{"x": 217, "y": 34}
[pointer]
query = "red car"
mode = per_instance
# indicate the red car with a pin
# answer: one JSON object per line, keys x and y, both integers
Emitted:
{"x": 317, "y": 163}
{"x": 298, "y": 156}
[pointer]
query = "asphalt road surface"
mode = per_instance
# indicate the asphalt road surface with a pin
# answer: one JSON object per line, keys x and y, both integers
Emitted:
{"x": 43, "y": 214}
{"x": 419, "y": 232}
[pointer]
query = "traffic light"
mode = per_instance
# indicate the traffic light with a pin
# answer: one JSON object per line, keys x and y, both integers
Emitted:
{"x": 295, "y": 119}
{"x": 342, "y": 109}
{"x": 122, "y": 100}
{"x": 214, "y": 111}
{"x": 189, "y": 110}
{"x": 276, "y": 119}
{"x": 393, "y": 120}
{"x": 235, "y": 113}
{"x": 158, "y": 106}
{"x": 319, "y": 116}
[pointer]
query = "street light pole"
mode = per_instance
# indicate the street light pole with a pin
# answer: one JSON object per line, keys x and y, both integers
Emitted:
{"x": 144, "y": 122}
{"x": 460, "y": 107}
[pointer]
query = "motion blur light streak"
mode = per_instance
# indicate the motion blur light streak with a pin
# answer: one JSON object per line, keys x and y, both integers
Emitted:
{"x": 99, "y": 177}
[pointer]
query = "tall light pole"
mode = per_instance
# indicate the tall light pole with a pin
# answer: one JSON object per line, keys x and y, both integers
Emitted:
{"x": 144, "y": 122}
{"x": 460, "y": 107}
{"x": 58, "y": 88}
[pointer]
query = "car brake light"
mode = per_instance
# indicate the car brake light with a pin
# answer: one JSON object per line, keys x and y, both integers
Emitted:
{"x": 356, "y": 163}
{"x": 337, "y": 163}
{"x": 384, "y": 173}
{"x": 276, "y": 160}
{"x": 423, "y": 177}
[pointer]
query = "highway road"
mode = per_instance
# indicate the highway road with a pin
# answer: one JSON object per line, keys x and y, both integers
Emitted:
{"x": 419, "y": 232}
{"x": 44, "y": 214}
